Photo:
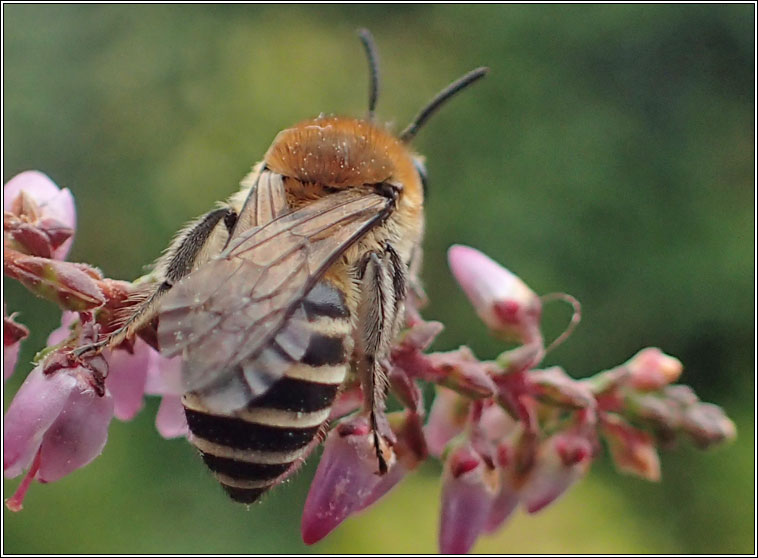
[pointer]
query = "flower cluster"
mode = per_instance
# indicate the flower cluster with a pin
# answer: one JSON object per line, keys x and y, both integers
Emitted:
{"x": 509, "y": 433}
{"x": 58, "y": 421}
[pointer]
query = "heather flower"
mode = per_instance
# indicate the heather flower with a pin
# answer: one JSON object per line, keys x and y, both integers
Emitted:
{"x": 555, "y": 386}
{"x": 508, "y": 433}
{"x": 651, "y": 369}
{"x": 707, "y": 425}
{"x": 632, "y": 450}
{"x": 127, "y": 377}
{"x": 470, "y": 486}
{"x": 163, "y": 377}
{"x": 345, "y": 481}
{"x": 561, "y": 460}
{"x": 57, "y": 422}
{"x": 43, "y": 215}
{"x": 72, "y": 286}
{"x": 503, "y": 301}
{"x": 68, "y": 321}
{"x": 447, "y": 419}
{"x": 127, "y": 368}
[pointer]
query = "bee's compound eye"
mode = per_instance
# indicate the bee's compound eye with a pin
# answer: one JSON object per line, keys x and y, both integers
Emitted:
{"x": 421, "y": 169}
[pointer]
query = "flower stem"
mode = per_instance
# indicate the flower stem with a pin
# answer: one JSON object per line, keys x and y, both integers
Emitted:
{"x": 16, "y": 502}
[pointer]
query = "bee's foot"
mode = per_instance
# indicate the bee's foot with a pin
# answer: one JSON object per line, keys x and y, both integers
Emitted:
{"x": 91, "y": 349}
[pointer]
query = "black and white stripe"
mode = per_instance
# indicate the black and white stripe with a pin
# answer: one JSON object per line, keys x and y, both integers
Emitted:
{"x": 248, "y": 450}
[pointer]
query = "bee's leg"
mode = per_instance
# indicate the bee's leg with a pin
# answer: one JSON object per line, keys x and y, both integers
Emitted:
{"x": 414, "y": 282}
{"x": 383, "y": 289}
{"x": 191, "y": 246}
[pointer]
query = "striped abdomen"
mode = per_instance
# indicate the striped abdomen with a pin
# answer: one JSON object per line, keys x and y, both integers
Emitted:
{"x": 249, "y": 449}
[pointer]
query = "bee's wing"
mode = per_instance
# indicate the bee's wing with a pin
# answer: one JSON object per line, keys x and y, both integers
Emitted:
{"x": 224, "y": 317}
{"x": 266, "y": 201}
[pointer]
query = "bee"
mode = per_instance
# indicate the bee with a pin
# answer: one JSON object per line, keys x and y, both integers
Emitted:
{"x": 298, "y": 280}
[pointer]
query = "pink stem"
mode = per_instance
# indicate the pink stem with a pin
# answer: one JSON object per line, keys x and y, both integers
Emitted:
{"x": 16, "y": 502}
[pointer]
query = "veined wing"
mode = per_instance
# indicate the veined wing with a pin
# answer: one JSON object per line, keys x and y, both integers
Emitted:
{"x": 223, "y": 317}
{"x": 266, "y": 201}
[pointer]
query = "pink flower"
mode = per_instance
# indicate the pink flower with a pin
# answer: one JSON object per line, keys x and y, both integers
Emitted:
{"x": 651, "y": 369}
{"x": 72, "y": 286}
{"x": 127, "y": 376}
{"x": 13, "y": 334}
{"x": 163, "y": 377}
{"x": 55, "y": 424}
{"x": 346, "y": 480}
{"x": 469, "y": 489}
{"x": 505, "y": 503}
{"x": 561, "y": 460}
{"x": 632, "y": 450}
{"x": 447, "y": 419}
{"x": 503, "y": 301}
{"x": 558, "y": 388}
{"x": 59, "y": 335}
{"x": 46, "y": 215}
{"x": 133, "y": 373}
{"x": 707, "y": 425}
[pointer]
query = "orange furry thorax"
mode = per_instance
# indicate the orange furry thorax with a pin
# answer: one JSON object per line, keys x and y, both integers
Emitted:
{"x": 341, "y": 152}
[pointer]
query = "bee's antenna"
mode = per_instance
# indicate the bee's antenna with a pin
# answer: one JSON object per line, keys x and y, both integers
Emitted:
{"x": 373, "y": 64}
{"x": 412, "y": 129}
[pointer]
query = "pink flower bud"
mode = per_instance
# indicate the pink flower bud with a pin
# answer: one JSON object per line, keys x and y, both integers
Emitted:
{"x": 468, "y": 492}
{"x": 556, "y": 387}
{"x": 561, "y": 460}
{"x": 13, "y": 334}
{"x": 508, "y": 497}
{"x": 496, "y": 423}
{"x": 420, "y": 336}
{"x": 632, "y": 450}
{"x": 127, "y": 376}
{"x": 349, "y": 399}
{"x": 60, "y": 419}
{"x": 37, "y": 201}
{"x": 346, "y": 480}
{"x": 164, "y": 378}
{"x": 503, "y": 301}
{"x": 681, "y": 394}
{"x": 462, "y": 371}
{"x": 660, "y": 412}
{"x": 170, "y": 421}
{"x": 61, "y": 334}
{"x": 505, "y": 503}
{"x": 446, "y": 419}
{"x": 651, "y": 369}
{"x": 407, "y": 353}
{"x": 72, "y": 286}
{"x": 707, "y": 425}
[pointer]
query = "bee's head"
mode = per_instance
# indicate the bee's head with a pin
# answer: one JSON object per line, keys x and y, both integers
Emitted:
{"x": 332, "y": 152}
{"x": 339, "y": 152}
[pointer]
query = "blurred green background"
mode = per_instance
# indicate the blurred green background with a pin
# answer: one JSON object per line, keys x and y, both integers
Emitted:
{"x": 609, "y": 154}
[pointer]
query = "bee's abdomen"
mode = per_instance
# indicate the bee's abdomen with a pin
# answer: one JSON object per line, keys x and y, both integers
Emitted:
{"x": 250, "y": 449}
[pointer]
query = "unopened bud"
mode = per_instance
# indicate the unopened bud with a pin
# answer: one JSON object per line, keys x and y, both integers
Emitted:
{"x": 72, "y": 286}
{"x": 632, "y": 450}
{"x": 659, "y": 412}
{"x": 561, "y": 460}
{"x": 346, "y": 479}
{"x": 462, "y": 371}
{"x": 651, "y": 369}
{"x": 469, "y": 488}
{"x": 708, "y": 425}
{"x": 556, "y": 387}
{"x": 503, "y": 301}
{"x": 42, "y": 216}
